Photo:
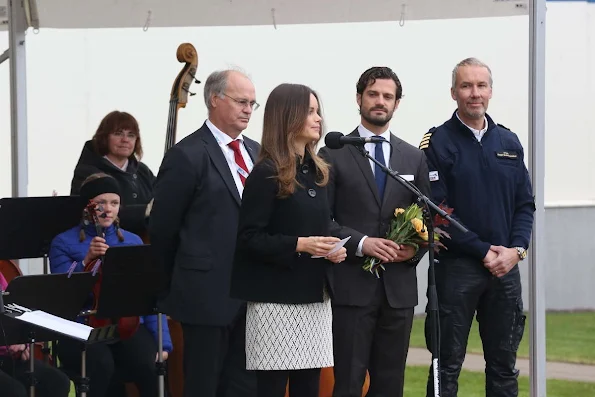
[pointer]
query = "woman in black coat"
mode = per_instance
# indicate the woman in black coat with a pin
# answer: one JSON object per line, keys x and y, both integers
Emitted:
{"x": 283, "y": 250}
{"x": 116, "y": 150}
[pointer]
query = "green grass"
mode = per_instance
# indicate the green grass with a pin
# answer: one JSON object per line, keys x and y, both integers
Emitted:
{"x": 570, "y": 337}
{"x": 472, "y": 384}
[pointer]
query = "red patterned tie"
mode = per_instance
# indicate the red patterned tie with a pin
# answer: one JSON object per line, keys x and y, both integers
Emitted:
{"x": 242, "y": 169}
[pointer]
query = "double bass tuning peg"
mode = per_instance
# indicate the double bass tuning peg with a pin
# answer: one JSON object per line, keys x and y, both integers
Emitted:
{"x": 197, "y": 81}
{"x": 189, "y": 92}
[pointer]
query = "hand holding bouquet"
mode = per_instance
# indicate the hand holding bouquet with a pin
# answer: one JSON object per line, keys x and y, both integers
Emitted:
{"x": 407, "y": 228}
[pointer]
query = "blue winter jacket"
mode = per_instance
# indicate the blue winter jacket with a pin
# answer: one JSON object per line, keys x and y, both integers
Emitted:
{"x": 67, "y": 248}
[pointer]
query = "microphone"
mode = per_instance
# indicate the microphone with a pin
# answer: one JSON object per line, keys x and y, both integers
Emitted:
{"x": 336, "y": 140}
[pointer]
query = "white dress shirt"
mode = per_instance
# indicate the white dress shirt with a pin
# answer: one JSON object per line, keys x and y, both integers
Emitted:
{"x": 123, "y": 168}
{"x": 371, "y": 148}
{"x": 223, "y": 140}
{"x": 478, "y": 133}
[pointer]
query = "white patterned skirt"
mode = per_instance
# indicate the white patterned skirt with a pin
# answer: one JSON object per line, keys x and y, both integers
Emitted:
{"x": 283, "y": 336}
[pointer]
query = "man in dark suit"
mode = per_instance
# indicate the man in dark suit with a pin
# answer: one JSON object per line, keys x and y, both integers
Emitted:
{"x": 193, "y": 230}
{"x": 372, "y": 316}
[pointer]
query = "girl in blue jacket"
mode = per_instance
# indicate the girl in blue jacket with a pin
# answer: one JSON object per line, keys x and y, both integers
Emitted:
{"x": 109, "y": 365}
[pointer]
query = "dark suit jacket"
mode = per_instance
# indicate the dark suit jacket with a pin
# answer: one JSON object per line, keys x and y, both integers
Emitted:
{"x": 193, "y": 229}
{"x": 267, "y": 267}
{"x": 358, "y": 211}
{"x": 136, "y": 185}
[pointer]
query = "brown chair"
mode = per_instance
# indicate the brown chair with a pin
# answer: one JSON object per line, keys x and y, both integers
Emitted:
{"x": 175, "y": 361}
{"x": 175, "y": 372}
{"x": 327, "y": 382}
{"x": 176, "y": 369}
{"x": 131, "y": 390}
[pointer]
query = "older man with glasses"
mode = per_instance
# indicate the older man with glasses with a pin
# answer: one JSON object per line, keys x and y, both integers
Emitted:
{"x": 193, "y": 230}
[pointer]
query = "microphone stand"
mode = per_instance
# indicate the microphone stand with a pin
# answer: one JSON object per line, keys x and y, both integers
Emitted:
{"x": 427, "y": 205}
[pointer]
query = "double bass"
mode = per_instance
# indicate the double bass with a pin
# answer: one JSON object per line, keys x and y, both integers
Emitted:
{"x": 180, "y": 91}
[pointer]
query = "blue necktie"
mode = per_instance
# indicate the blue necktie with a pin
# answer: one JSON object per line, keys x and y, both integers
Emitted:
{"x": 379, "y": 175}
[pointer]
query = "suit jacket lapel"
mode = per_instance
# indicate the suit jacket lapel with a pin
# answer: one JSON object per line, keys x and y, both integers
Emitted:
{"x": 218, "y": 158}
{"x": 252, "y": 149}
{"x": 366, "y": 169}
{"x": 395, "y": 165}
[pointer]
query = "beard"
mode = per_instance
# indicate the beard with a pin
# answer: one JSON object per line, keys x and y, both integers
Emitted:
{"x": 474, "y": 114}
{"x": 468, "y": 111}
{"x": 379, "y": 121}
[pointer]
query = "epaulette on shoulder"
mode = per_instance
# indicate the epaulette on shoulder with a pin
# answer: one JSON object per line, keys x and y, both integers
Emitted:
{"x": 506, "y": 128}
{"x": 425, "y": 141}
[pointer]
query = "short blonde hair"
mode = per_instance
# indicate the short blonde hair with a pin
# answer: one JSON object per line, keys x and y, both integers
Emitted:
{"x": 469, "y": 62}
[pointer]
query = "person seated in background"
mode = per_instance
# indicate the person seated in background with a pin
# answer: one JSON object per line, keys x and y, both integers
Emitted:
{"x": 116, "y": 150}
{"x": 109, "y": 365}
{"x": 14, "y": 365}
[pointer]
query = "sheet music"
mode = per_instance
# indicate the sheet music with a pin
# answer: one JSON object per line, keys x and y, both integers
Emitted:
{"x": 57, "y": 324}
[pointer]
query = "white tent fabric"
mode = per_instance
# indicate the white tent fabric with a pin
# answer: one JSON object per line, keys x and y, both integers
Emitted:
{"x": 68, "y": 14}
{"x": 65, "y": 14}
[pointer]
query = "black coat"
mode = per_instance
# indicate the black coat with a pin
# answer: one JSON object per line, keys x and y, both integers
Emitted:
{"x": 193, "y": 229}
{"x": 136, "y": 184}
{"x": 267, "y": 267}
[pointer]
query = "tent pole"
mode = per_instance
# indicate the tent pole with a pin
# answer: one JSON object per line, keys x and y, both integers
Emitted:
{"x": 537, "y": 303}
{"x": 17, "y": 26}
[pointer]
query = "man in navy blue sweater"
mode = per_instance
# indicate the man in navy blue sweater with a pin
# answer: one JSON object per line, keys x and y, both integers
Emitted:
{"x": 476, "y": 167}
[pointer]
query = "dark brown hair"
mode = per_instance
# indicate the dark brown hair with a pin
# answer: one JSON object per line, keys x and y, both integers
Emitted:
{"x": 116, "y": 121}
{"x": 285, "y": 117}
{"x": 370, "y": 76}
{"x": 82, "y": 235}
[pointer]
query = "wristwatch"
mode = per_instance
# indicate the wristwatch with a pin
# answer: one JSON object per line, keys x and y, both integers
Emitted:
{"x": 522, "y": 252}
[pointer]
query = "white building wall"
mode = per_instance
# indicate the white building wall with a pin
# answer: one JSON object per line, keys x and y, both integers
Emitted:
{"x": 75, "y": 77}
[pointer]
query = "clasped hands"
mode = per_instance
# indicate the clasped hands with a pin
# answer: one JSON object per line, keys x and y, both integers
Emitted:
{"x": 499, "y": 260}
{"x": 321, "y": 246}
{"x": 387, "y": 250}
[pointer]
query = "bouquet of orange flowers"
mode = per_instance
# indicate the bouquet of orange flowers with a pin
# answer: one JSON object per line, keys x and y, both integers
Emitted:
{"x": 407, "y": 227}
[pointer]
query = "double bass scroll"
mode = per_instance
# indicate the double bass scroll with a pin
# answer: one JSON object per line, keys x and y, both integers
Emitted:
{"x": 180, "y": 90}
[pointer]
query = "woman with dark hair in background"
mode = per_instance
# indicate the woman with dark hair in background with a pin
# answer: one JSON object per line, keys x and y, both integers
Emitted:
{"x": 116, "y": 150}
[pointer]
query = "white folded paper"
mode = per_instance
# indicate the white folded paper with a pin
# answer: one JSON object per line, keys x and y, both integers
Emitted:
{"x": 336, "y": 248}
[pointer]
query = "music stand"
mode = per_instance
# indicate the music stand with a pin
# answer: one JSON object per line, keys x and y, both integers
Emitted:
{"x": 131, "y": 283}
{"x": 29, "y": 224}
{"x": 60, "y": 295}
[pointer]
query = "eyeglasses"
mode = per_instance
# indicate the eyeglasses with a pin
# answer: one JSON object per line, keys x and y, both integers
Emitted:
{"x": 244, "y": 102}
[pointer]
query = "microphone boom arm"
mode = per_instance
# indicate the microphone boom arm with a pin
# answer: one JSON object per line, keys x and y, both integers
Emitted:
{"x": 413, "y": 189}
